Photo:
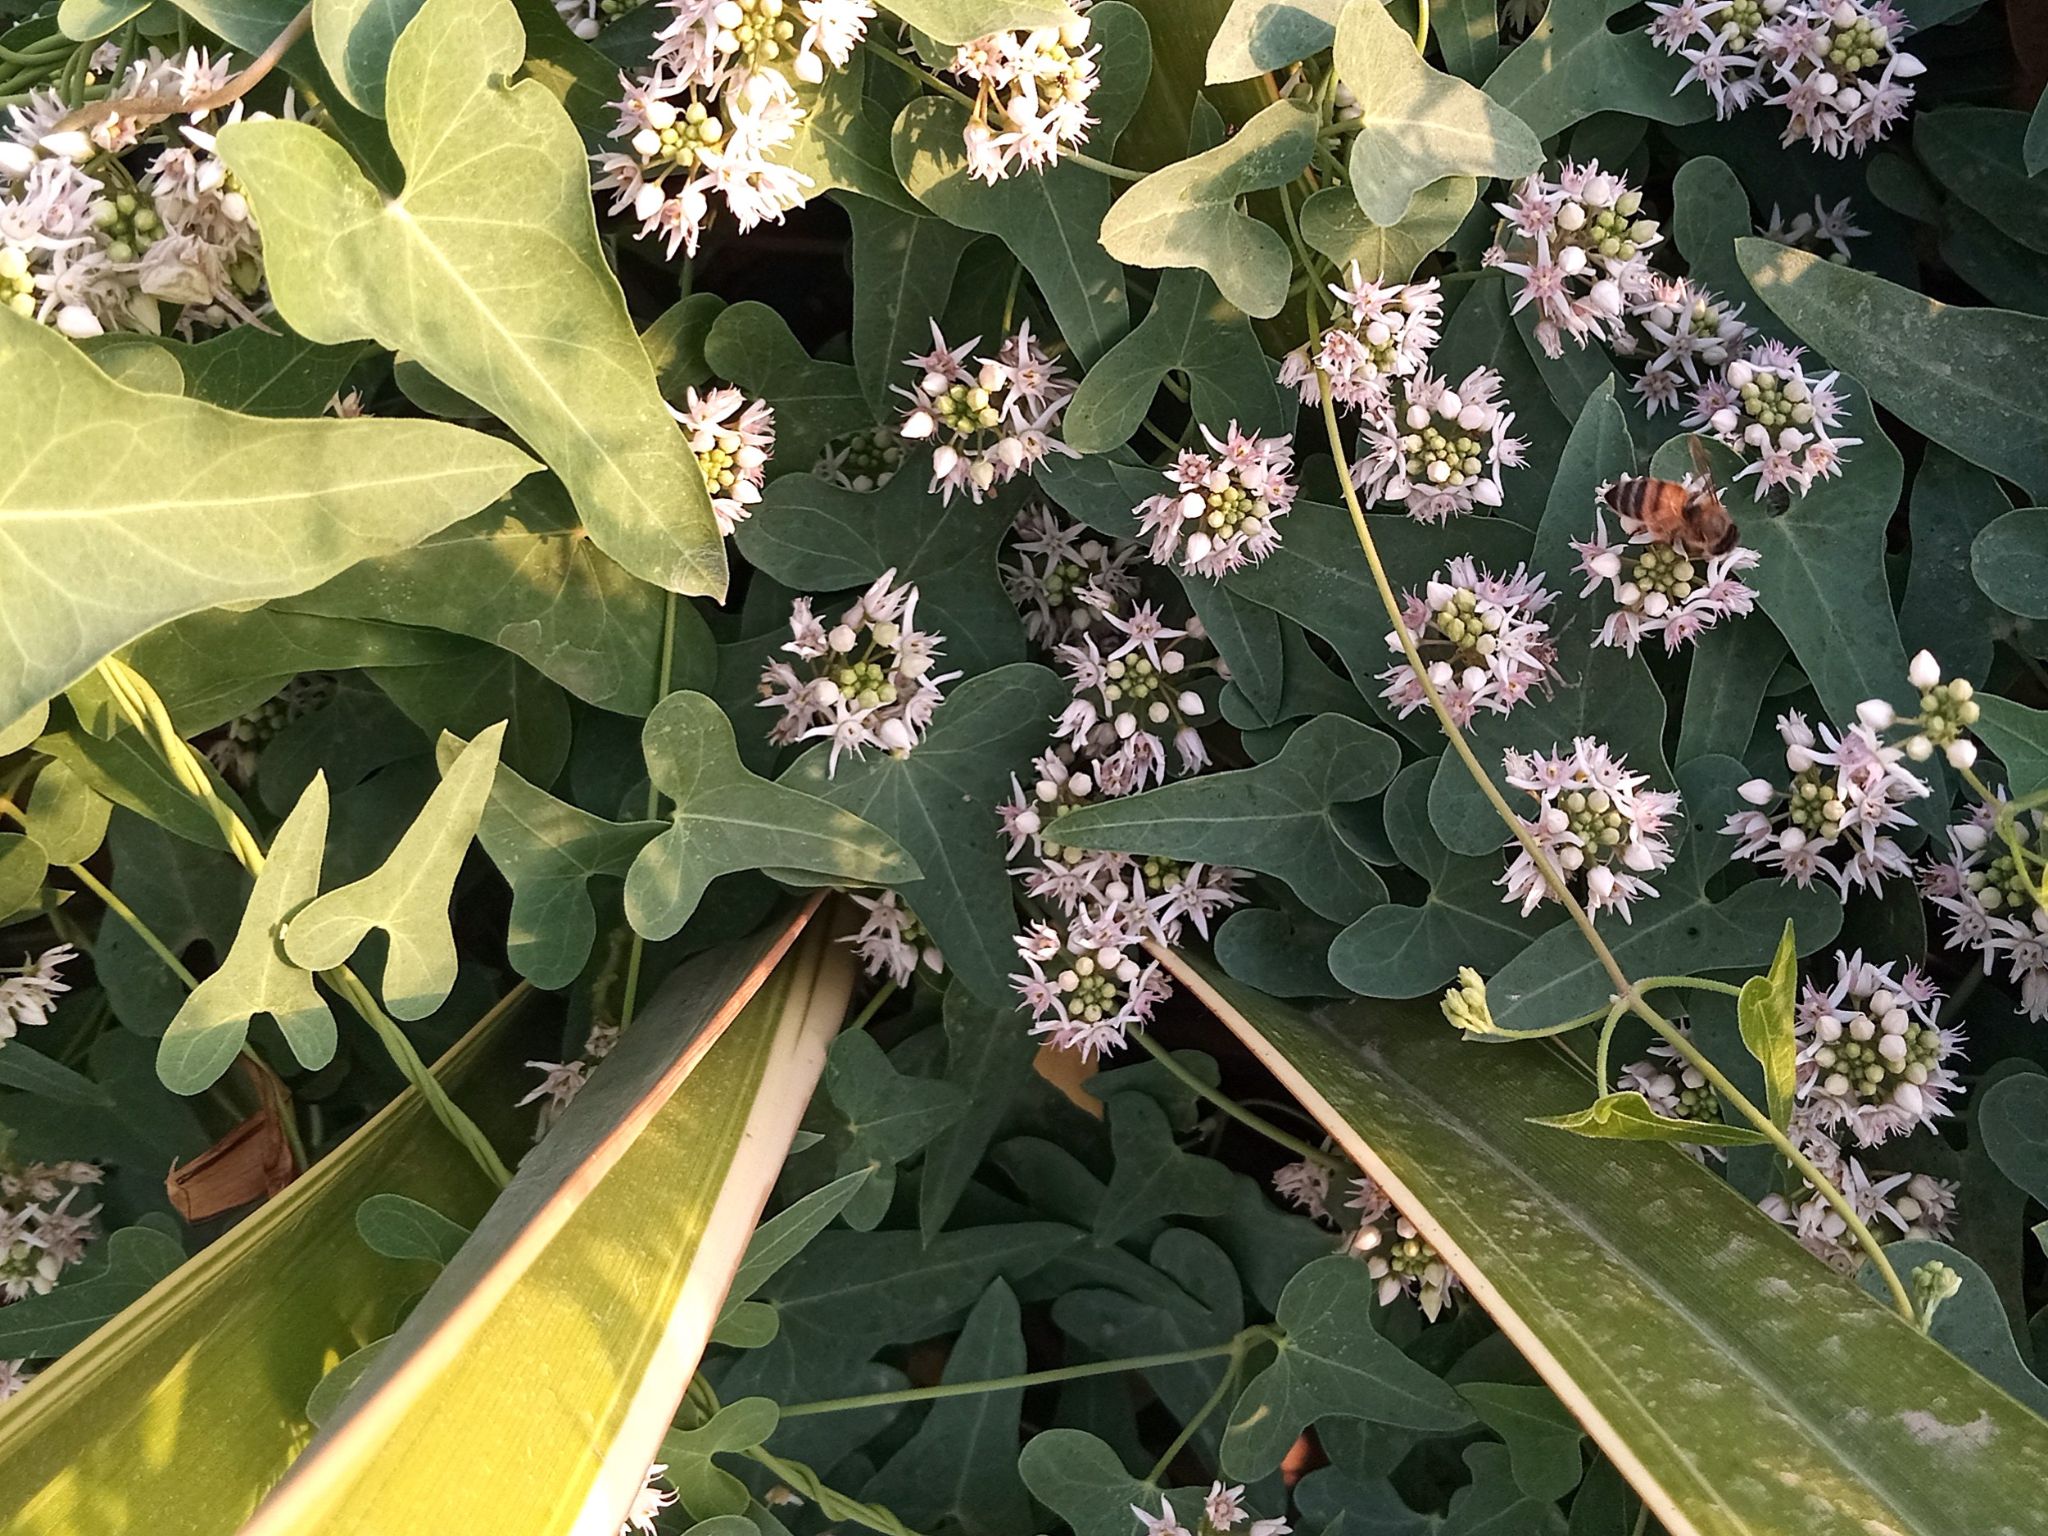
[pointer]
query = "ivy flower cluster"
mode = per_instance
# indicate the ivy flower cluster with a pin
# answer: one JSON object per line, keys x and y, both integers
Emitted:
{"x": 1901, "y": 1204}
{"x": 1873, "y": 1062}
{"x": 1598, "y": 823}
{"x": 41, "y": 1235}
{"x": 1826, "y": 231}
{"x": 1031, "y": 91}
{"x": 1065, "y": 578}
{"x": 1220, "y": 513}
{"x": 1580, "y": 245}
{"x": 1658, "y": 587}
{"x": 102, "y": 227}
{"x": 1989, "y": 889}
{"x": 717, "y": 110}
{"x": 1765, "y": 407}
{"x": 1222, "y": 1511}
{"x": 1482, "y": 639}
{"x": 1132, "y": 697}
{"x": 732, "y": 437}
{"x": 1385, "y": 331}
{"x": 861, "y": 461}
{"x": 1834, "y": 66}
{"x": 29, "y": 991}
{"x": 1673, "y": 1087}
{"x": 867, "y": 681}
{"x": 238, "y": 747}
{"x": 1084, "y": 991}
{"x": 561, "y": 1081}
{"x": 891, "y": 941}
{"x": 1393, "y": 1251}
{"x": 1847, "y": 793}
{"x": 988, "y": 422}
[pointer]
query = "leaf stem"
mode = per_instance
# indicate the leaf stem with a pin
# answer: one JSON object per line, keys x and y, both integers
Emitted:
{"x": 1626, "y": 993}
{"x": 1027, "y": 1379}
{"x": 1237, "y": 1111}
{"x": 629, "y": 996}
{"x": 872, "y": 1007}
{"x": 158, "y": 107}
{"x": 1189, "y": 1430}
{"x": 833, "y": 1504}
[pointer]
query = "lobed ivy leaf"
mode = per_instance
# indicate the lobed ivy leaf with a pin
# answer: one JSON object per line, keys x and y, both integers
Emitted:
{"x": 1961, "y": 376}
{"x": 988, "y": 1059}
{"x": 1047, "y": 218}
{"x": 2018, "y": 736}
{"x": 1282, "y": 818}
{"x": 187, "y": 506}
{"x": 2009, "y": 558}
{"x": 1333, "y": 223}
{"x": 497, "y": 284}
{"x": 889, "y": 1117}
{"x": 1333, "y": 1362}
{"x": 1468, "y": 32}
{"x": 1629, "y": 1117}
{"x": 407, "y": 896}
{"x": 1764, "y": 1012}
{"x": 1417, "y": 125}
{"x": 704, "y": 1488}
{"x": 903, "y": 268}
{"x": 1082, "y": 1480}
{"x": 1257, "y": 37}
{"x": 400, "y": 1227}
{"x": 1187, "y": 214}
{"x": 256, "y": 978}
{"x": 939, "y": 802}
{"x": 1945, "y": 608}
{"x": 42, "y": 1326}
{"x": 1152, "y": 1177}
{"x": 1573, "y": 64}
{"x": 1190, "y": 331}
{"x": 1683, "y": 930}
{"x": 1284, "y": 953}
{"x": 818, "y": 537}
{"x": 814, "y": 402}
{"x": 725, "y": 819}
{"x": 1542, "y": 1436}
{"x": 262, "y": 372}
{"x": 486, "y": 687}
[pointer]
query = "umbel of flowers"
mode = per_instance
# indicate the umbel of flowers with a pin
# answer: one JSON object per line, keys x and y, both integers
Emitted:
{"x": 1482, "y": 639}
{"x": 1659, "y": 587}
{"x": 988, "y": 419}
{"x": 1597, "y": 822}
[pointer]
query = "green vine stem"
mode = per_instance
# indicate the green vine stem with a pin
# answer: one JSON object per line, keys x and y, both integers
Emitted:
{"x": 1237, "y": 1111}
{"x": 629, "y": 997}
{"x": 1627, "y": 994}
{"x": 146, "y": 712}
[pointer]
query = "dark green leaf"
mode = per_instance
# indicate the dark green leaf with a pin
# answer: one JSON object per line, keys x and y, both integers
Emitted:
{"x": 400, "y": 1227}
{"x": 1153, "y": 1178}
{"x": 1573, "y": 64}
{"x": 988, "y": 1058}
{"x": 2010, "y": 561}
{"x": 39, "y": 1326}
{"x": 1542, "y": 1437}
{"x": 889, "y": 1116}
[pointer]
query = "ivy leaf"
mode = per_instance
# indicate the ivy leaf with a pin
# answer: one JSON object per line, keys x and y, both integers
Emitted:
{"x": 889, "y": 1118}
{"x": 1333, "y": 1363}
{"x": 549, "y": 852}
{"x": 1732, "y": 669}
{"x": 1629, "y": 1117}
{"x": 1541, "y": 1434}
{"x": 188, "y": 506}
{"x": 1187, "y": 214}
{"x": 1971, "y": 1325}
{"x": 2035, "y": 146}
{"x": 1681, "y": 930}
{"x": 1190, "y": 331}
{"x": 400, "y": 1227}
{"x": 1416, "y": 124}
{"x": 1282, "y": 818}
{"x": 1765, "y": 1013}
{"x": 1334, "y": 224}
{"x": 525, "y": 577}
{"x": 814, "y": 402}
{"x": 255, "y": 978}
{"x": 2019, "y": 737}
{"x": 487, "y": 687}
{"x": 498, "y": 284}
{"x": 38, "y": 1327}
{"x": 903, "y": 269}
{"x": 958, "y": 1472}
{"x": 988, "y": 1059}
{"x": 1494, "y": 1501}
{"x": 1079, "y": 1478}
{"x": 787, "y": 1233}
{"x": 843, "y": 140}
{"x": 1257, "y": 37}
{"x": 355, "y": 39}
{"x": 27, "y": 1070}
{"x": 818, "y": 537}
{"x": 24, "y": 865}
{"x": 705, "y": 1489}
{"x": 262, "y": 372}
{"x": 1153, "y": 1178}
{"x": 726, "y": 819}
{"x": 66, "y": 817}
{"x": 2010, "y": 561}
{"x": 1977, "y": 154}
{"x": 1963, "y": 377}
{"x": 1944, "y": 608}
{"x": 1284, "y": 953}
{"x": 1048, "y": 218}
{"x": 2012, "y": 1121}
{"x": 1573, "y": 64}
{"x": 407, "y": 896}
{"x": 939, "y": 802}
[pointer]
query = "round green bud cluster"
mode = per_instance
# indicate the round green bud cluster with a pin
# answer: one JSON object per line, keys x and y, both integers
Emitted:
{"x": 1947, "y": 710}
{"x": 868, "y": 459}
{"x": 967, "y": 409}
{"x": 1470, "y": 631}
{"x": 1694, "y": 1100}
{"x": 127, "y": 225}
{"x": 2003, "y": 885}
{"x": 1815, "y": 804}
{"x": 1591, "y": 816}
{"x": 1613, "y": 232}
{"x": 722, "y": 471}
{"x": 1436, "y": 459}
{"x": 1160, "y": 874}
{"x": 865, "y": 683}
{"x": 1131, "y": 678}
{"x": 1775, "y": 403}
{"x": 761, "y": 34}
{"x": 1232, "y": 509}
{"x": 1740, "y": 21}
{"x": 1870, "y": 1052}
{"x": 682, "y": 142}
{"x": 1660, "y": 568}
{"x": 17, "y": 286}
{"x": 1860, "y": 45}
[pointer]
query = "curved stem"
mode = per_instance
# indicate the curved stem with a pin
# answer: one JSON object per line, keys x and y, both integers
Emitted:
{"x": 872, "y": 1007}
{"x": 1237, "y": 1111}
{"x": 833, "y": 1504}
{"x": 1614, "y": 1013}
{"x": 1688, "y": 983}
{"x": 1027, "y": 1379}
{"x": 156, "y": 107}
{"x": 1421, "y": 25}
{"x": 1193, "y": 1427}
{"x": 1627, "y": 994}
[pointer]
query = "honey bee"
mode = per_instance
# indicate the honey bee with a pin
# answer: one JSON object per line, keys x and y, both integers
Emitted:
{"x": 1686, "y": 516}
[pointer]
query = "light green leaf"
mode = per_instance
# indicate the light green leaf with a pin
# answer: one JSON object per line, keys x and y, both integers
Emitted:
{"x": 1048, "y": 218}
{"x": 1285, "y": 818}
{"x": 1573, "y": 64}
{"x": 549, "y": 851}
{"x": 2018, "y": 736}
{"x": 1333, "y": 1363}
{"x": 1962, "y": 376}
{"x": 24, "y": 865}
{"x": 2010, "y": 561}
{"x": 726, "y": 819}
{"x": 1187, "y": 214}
{"x": 188, "y": 506}
{"x": 889, "y": 1116}
{"x": 1541, "y": 1434}
{"x": 84, "y": 20}
{"x": 407, "y": 896}
{"x": 1417, "y": 125}
{"x": 1257, "y": 37}
{"x": 340, "y": 1381}
{"x": 255, "y": 978}
{"x": 39, "y": 1326}
{"x": 958, "y": 21}
{"x": 1334, "y": 224}
{"x": 496, "y": 284}
{"x": 843, "y": 140}
{"x": 400, "y": 1227}
{"x": 524, "y": 576}
{"x": 25, "y": 729}
{"x": 1765, "y": 1012}
{"x": 1189, "y": 331}
{"x": 1153, "y": 1178}
{"x": 1596, "y": 1258}
{"x": 1628, "y": 1117}
{"x": 939, "y": 802}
